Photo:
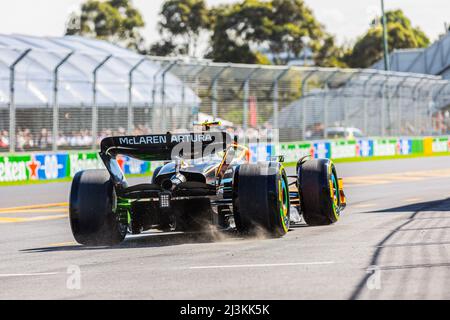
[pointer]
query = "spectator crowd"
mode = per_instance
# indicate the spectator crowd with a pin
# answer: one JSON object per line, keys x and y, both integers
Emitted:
{"x": 26, "y": 140}
{"x": 71, "y": 136}
{"x": 30, "y": 140}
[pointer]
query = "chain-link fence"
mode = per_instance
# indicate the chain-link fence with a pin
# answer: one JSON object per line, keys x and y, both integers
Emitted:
{"x": 317, "y": 103}
{"x": 65, "y": 106}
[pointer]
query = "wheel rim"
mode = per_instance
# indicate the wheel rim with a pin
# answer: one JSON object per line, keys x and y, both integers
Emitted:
{"x": 284, "y": 204}
{"x": 335, "y": 194}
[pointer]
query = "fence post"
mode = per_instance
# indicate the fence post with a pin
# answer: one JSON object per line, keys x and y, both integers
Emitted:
{"x": 436, "y": 97}
{"x": 326, "y": 104}
{"x": 55, "y": 124}
{"x": 383, "y": 107}
{"x": 304, "y": 84}
{"x": 366, "y": 101}
{"x": 184, "y": 114}
{"x": 276, "y": 107}
{"x": 431, "y": 107}
{"x": 399, "y": 114}
{"x": 12, "y": 101}
{"x": 94, "y": 124}
{"x": 365, "y": 111}
{"x": 399, "y": 108}
{"x": 399, "y": 104}
{"x": 196, "y": 79}
{"x": 438, "y": 92}
{"x": 214, "y": 91}
{"x": 351, "y": 96}
{"x": 245, "y": 111}
{"x": 155, "y": 78}
{"x": 163, "y": 95}
{"x": 154, "y": 89}
{"x": 246, "y": 101}
{"x": 416, "y": 105}
{"x": 130, "y": 118}
{"x": 389, "y": 100}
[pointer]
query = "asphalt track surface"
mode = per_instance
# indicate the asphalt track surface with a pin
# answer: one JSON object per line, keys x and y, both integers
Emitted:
{"x": 392, "y": 243}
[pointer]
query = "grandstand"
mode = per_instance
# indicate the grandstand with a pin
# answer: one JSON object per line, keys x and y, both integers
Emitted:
{"x": 434, "y": 60}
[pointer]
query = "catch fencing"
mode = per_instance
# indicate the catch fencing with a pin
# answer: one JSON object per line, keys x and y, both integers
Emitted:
{"x": 318, "y": 103}
{"x": 40, "y": 111}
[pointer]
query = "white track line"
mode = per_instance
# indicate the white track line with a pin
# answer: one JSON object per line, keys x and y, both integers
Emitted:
{"x": 16, "y": 275}
{"x": 265, "y": 265}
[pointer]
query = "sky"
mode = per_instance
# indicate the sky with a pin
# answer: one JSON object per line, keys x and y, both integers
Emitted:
{"x": 346, "y": 19}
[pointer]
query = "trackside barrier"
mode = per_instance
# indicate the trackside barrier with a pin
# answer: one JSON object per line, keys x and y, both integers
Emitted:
{"x": 53, "y": 166}
{"x": 365, "y": 148}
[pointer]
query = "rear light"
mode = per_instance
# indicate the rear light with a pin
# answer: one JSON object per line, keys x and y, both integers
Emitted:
{"x": 164, "y": 200}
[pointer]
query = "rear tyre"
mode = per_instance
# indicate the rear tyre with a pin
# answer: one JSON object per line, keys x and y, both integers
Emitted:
{"x": 92, "y": 204}
{"x": 261, "y": 199}
{"x": 319, "y": 192}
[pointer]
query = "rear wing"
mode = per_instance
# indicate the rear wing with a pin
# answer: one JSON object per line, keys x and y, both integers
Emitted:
{"x": 165, "y": 147}
{"x": 160, "y": 147}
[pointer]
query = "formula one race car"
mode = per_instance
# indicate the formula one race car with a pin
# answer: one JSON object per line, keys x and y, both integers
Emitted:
{"x": 206, "y": 180}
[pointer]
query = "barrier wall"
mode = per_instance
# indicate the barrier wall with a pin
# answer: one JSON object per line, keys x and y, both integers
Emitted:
{"x": 365, "y": 148}
{"x": 48, "y": 166}
{"x": 31, "y": 167}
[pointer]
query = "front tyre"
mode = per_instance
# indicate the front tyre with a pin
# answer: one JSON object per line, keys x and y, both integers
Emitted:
{"x": 261, "y": 199}
{"x": 318, "y": 187}
{"x": 92, "y": 210}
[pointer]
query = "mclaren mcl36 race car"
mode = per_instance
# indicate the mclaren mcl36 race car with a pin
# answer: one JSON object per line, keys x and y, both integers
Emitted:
{"x": 206, "y": 180}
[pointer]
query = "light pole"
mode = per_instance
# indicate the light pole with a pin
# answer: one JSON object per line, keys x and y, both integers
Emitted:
{"x": 385, "y": 38}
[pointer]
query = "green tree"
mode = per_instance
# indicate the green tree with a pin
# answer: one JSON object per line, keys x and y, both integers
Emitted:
{"x": 116, "y": 21}
{"x": 402, "y": 35}
{"x": 279, "y": 28}
{"x": 329, "y": 54}
{"x": 182, "y": 22}
{"x": 233, "y": 31}
{"x": 294, "y": 27}
{"x": 163, "y": 48}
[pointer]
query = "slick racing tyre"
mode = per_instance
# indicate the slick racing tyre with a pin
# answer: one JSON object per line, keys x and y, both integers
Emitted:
{"x": 319, "y": 192}
{"x": 92, "y": 206}
{"x": 261, "y": 199}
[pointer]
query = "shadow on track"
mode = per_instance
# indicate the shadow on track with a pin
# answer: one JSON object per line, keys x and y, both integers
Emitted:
{"x": 146, "y": 240}
{"x": 437, "y": 205}
{"x": 417, "y": 209}
{"x": 152, "y": 240}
